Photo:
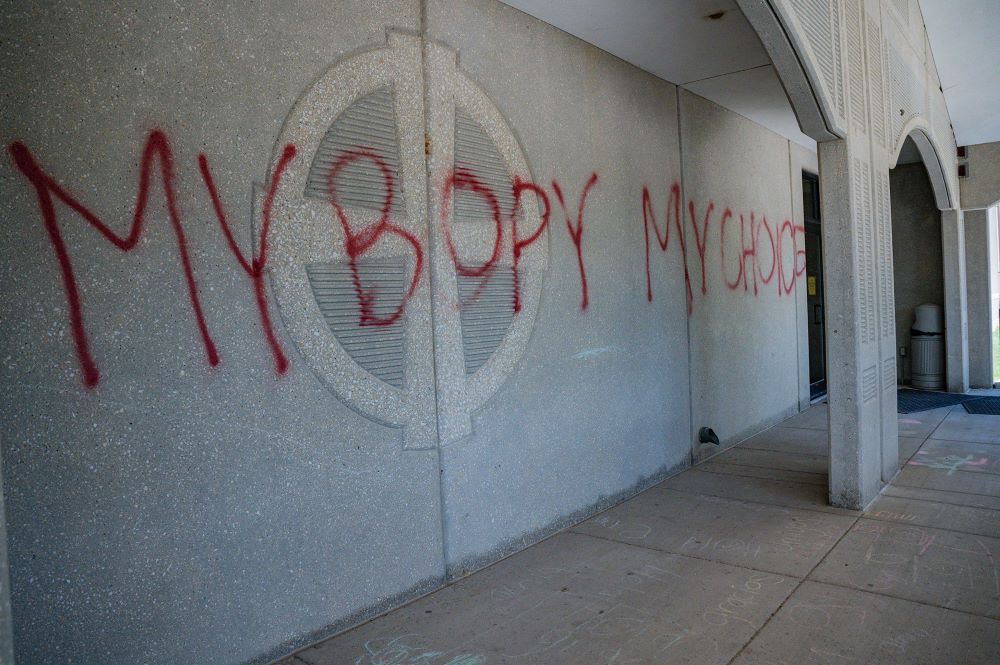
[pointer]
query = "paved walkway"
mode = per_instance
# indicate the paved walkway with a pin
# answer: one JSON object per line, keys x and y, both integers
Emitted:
{"x": 740, "y": 560}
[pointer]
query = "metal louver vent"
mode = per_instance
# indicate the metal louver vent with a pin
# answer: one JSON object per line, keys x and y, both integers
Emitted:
{"x": 487, "y": 308}
{"x": 376, "y": 348}
{"x": 487, "y": 312}
{"x": 369, "y": 124}
{"x": 476, "y": 153}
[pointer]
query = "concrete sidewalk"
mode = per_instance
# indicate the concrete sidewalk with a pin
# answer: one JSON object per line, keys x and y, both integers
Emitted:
{"x": 739, "y": 560}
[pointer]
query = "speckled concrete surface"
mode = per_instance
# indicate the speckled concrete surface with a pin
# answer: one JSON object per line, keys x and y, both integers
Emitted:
{"x": 6, "y": 627}
{"x": 180, "y": 512}
{"x": 681, "y": 576}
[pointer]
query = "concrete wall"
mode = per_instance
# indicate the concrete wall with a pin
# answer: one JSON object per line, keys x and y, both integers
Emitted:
{"x": 744, "y": 331}
{"x": 6, "y": 626}
{"x": 978, "y": 272}
{"x": 168, "y": 508}
{"x": 981, "y": 188}
{"x": 916, "y": 251}
{"x": 178, "y": 512}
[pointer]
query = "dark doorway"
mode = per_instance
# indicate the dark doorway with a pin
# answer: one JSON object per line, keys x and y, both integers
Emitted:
{"x": 814, "y": 286}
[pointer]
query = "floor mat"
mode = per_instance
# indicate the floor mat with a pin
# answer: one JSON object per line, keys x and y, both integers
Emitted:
{"x": 912, "y": 401}
{"x": 984, "y": 406}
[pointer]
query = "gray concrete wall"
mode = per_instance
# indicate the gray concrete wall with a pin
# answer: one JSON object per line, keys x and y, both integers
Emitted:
{"x": 916, "y": 251}
{"x": 6, "y": 626}
{"x": 180, "y": 511}
{"x": 744, "y": 331}
{"x": 981, "y": 188}
{"x": 978, "y": 276}
{"x": 604, "y": 386}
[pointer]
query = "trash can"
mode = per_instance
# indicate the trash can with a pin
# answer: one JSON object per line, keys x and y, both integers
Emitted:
{"x": 927, "y": 348}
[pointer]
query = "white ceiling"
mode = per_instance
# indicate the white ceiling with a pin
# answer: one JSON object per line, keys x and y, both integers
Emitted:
{"x": 965, "y": 40}
{"x": 720, "y": 59}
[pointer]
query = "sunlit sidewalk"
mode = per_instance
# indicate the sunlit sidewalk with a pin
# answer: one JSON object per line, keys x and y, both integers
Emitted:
{"x": 740, "y": 560}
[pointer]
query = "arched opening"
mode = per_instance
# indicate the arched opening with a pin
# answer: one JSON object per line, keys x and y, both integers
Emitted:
{"x": 918, "y": 269}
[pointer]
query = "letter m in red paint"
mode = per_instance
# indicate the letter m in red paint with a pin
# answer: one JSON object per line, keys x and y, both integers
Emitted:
{"x": 663, "y": 240}
{"x": 47, "y": 189}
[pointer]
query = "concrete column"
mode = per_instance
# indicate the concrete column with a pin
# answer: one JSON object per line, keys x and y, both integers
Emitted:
{"x": 978, "y": 276}
{"x": 852, "y": 349}
{"x": 956, "y": 316}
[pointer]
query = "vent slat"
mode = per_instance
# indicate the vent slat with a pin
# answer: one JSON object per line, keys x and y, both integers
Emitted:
{"x": 378, "y": 349}
{"x": 369, "y": 123}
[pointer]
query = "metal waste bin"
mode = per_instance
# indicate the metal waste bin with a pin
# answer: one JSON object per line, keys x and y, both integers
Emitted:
{"x": 927, "y": 348}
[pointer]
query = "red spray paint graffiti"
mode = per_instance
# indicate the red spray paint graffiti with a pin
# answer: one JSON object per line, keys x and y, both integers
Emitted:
{"x": 520, "y": 187}
{"x": 46, "y": 188}
{"x": 727, "y": 214}
{"x": 649, "y": 219}
{"x": 576, "y": 232}
{"x": 255, "y": 268}
{"x": 461, "y": 179}
{"x": 358, "y": 244}
{"x": 701, "y": 237}
{"x": 749, "y": 263}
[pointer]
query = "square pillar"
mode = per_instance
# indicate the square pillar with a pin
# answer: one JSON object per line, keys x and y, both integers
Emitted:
{"x": 956, "y": 315}
{"x": 850, "y": 253}
{"x": 978, "y": 278}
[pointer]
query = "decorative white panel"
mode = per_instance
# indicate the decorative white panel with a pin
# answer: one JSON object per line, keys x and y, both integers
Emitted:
{"x": 869, "y": 384}
{"x": 888, "y": 373}
{"x": 820, "y": 19}
{"x": 855, "y": 65}
{"x": 864, "y": 248}
{"x": 887, "y": 300}
{"x": 876, "y": 79}
{"x": 902, "y": 8}
{"x": 906, "y": 91}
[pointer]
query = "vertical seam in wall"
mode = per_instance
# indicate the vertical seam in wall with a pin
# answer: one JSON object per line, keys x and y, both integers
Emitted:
{"x": 422, "y": 18}
{"x": 687, "y": 315}
{"x": 795, "y": 292}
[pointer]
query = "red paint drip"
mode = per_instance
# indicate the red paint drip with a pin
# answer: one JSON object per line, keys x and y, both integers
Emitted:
{"x": 749, "y": 253}
{"x": 466, "y": 180}
{"x": 519, "y": 244}
{"x": 358, "y": 244}
{"x": 255, "y": 268}
{"x": 701, "y": 237}
{"x": 576, "y": 232}
{"x": 774, "y": 251}
{"x": 649, "y": 219}
{"x": 726, "y": 216}
{"x": 46, "y": 187}
{"x": 785, "y": 284}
